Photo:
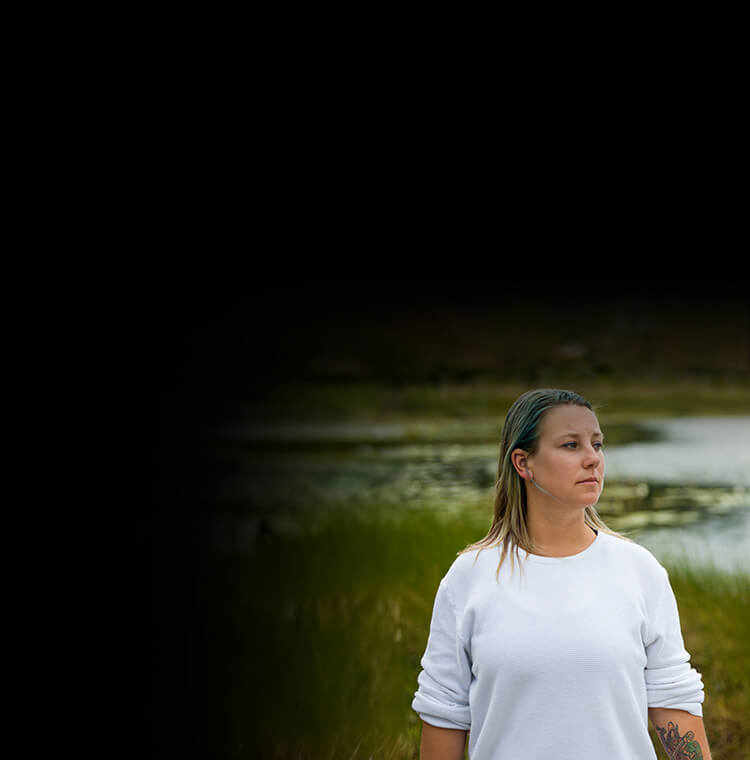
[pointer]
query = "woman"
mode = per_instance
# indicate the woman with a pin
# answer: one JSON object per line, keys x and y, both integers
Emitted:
{"x": 569, "y": 658}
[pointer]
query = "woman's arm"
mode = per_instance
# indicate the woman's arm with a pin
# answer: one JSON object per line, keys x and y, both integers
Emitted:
{"x": 442, "y": 743}
{"x": 681, "y": 733}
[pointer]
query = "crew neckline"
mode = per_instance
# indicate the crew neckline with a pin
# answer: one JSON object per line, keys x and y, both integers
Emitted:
{"x": 569, "y": 558}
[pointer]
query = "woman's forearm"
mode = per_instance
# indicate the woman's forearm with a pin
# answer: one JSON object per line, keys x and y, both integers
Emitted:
{"x": 681, "y": 733}
{"x": 442, "y": 743}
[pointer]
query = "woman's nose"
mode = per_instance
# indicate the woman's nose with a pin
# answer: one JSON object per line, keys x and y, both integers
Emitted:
{"x": 591, "y": 456}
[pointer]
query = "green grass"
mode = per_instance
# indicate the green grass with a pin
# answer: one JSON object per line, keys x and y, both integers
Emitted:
{"x": 318, "y": 639}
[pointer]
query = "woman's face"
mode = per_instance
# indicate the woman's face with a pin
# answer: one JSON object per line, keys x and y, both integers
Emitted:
{"x": 569, "y": 453}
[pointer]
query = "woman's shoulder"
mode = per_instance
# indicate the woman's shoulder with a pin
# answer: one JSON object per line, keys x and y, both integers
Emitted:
{"x": 468, "y": 565}
{"x": 634, "y": 554}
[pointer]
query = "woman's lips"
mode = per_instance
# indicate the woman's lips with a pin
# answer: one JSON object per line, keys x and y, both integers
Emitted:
{"x": 592, "y": 481}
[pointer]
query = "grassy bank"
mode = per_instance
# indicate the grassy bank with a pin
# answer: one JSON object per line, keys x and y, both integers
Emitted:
{"x": 619, "y": 402}
{"x": 317, "y": 640}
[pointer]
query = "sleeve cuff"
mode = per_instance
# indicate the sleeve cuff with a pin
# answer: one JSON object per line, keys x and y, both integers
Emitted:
{"x": 437, "y": 713}
{"x": 674, "y": 687}
{"x": 434, "y": 720}
{"x": 694, "y": 708}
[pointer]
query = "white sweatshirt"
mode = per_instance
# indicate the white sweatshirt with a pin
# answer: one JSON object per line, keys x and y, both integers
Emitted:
{"x": 563, "y": 664}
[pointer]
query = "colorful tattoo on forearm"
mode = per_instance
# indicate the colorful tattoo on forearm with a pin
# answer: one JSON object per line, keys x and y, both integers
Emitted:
{"x": 679, "y": 747}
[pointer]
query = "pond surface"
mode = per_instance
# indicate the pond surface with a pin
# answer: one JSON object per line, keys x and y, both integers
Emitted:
{"x": 680, "y": 487}
{"x": 694, "y": 451}
{"x": 699, "y": 473}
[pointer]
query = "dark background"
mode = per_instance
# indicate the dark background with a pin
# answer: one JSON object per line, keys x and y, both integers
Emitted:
{"x": 195, "y": 349}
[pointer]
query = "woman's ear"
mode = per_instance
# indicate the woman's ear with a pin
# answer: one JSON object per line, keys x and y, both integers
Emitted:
{"x": 519, "y": 457}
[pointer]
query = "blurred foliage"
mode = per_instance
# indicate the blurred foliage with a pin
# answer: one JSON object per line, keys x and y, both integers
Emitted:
{"x": 524, "y": 340}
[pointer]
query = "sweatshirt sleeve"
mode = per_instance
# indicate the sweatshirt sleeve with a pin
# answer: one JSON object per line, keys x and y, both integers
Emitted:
{"x": 670, "y": 680}
{"x": 442, "y": 698}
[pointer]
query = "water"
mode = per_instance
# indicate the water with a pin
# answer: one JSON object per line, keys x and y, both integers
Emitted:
{"x": 704, "y": 463}
{"x": 695, "y": 450}
{"x": 719, "y": 541}
{"x": 682, "y": 490}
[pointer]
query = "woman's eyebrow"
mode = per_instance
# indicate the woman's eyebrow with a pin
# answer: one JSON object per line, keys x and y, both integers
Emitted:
{"x": 577, "y": 435}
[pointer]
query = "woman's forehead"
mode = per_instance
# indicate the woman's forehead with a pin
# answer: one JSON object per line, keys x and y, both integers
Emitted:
{"x": 569, "y": 418}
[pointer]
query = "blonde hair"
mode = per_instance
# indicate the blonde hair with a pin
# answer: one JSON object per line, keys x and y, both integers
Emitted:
{"x": 521, "y": 430}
